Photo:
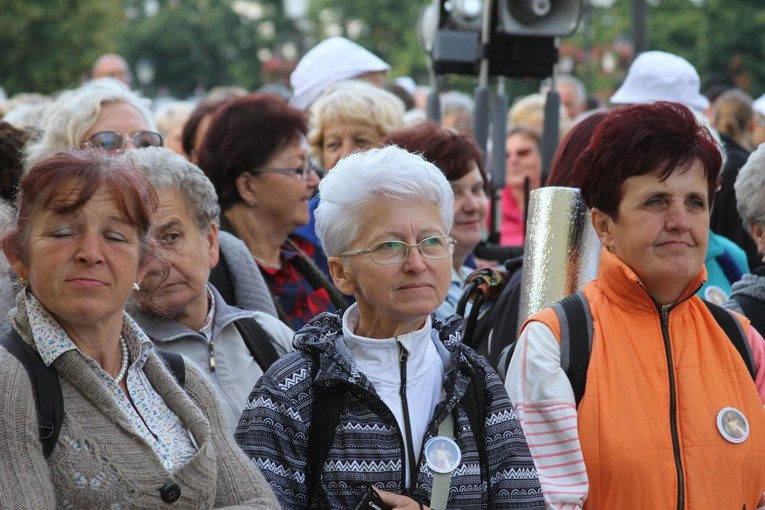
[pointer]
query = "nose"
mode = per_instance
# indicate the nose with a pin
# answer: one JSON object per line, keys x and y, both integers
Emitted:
{"x": 678, "y": 217}
{"x": 313, "y": 179}
{"x": 90, "y": 250}
{"x": 414, "y": 261}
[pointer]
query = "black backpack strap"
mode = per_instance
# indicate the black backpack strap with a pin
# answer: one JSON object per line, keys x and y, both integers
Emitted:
{"x": 45, "y": 387}
{"x": 325, "y": 416}
{"x": 735, "y": 332}
{"x": 175, "y": 364}
{"x": 258, "y": 341}
{"x": 575, "y": 340}
{"x": 729, "y": 267}
{"x": 220, "y": 277}
{"x": 474, "y": 403}
{"x": 752, "y": 308}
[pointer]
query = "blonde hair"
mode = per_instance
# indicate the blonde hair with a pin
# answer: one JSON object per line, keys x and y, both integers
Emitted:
{"x": 353, "y": 101}
{"x": 733, "y": 114}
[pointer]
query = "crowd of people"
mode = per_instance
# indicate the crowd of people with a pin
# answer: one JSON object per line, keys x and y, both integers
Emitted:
{"x": 258, "y": 299}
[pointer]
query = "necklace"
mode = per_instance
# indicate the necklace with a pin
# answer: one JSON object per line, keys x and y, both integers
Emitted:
{"x": 125, "y": 361}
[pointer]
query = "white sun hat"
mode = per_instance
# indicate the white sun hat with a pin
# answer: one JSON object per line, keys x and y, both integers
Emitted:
{"x": 661, "y": 76}
{"x": 330, "y": 61}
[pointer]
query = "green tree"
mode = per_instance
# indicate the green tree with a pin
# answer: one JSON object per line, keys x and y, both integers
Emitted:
{"x": 47, "y": 45}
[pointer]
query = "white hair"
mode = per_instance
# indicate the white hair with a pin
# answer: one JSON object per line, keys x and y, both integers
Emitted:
{"x": 357, "y": 180}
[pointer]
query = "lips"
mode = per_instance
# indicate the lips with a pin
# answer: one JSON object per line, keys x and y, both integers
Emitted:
{"x": 86, "y": 282}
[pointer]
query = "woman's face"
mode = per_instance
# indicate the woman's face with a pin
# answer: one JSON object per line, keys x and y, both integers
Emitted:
{"x": 343, "y": 138}
{"x": 119, "y": 117}
{"x": 396, "y": 298}
{"x": 662, "y": 230}
{"x": 81, "y": 266}
{"x": 470, "y": 207}
{"x": 523, "y": 160}
{"x": 282, "y": 198}
{"x": 190, "y": 254}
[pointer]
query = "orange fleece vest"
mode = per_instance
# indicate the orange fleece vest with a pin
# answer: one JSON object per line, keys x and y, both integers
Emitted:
{"x": 627, "y": 414}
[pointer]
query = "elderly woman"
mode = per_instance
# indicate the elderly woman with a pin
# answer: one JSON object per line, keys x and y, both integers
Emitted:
{"x": 748, "y": 294}
{"x": 662, "y": 373}
{"x": 106, "y": 115}
{"x": 255, "y": 154}
{"x": 350, "y": 116}
{"x": 393, "y": 374}
{"x": 460, "y": 159}
{"x": 130, "y": 435}
{"x": 183, "y": 312}
{"x": 102, "y": 113}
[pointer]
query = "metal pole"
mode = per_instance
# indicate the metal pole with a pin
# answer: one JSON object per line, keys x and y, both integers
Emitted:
{"x": 639, "y": 26}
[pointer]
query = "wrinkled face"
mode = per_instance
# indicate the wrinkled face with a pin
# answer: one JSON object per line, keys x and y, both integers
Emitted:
{"x": 281, "y": 199}
{"x": 396, "y": 298}
{"x": 190, "y": 254}
{"x": 81, "y": 266}
{"x": 119, "y": 117}
{"x": 523, "y": 160}
{"x": 662, "y": 230}
{"x": 113, "y": 67}
{"x": 470, "y": 205}
{"x": 343, "y": 138}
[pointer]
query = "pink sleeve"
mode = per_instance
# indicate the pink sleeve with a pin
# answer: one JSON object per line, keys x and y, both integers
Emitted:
{"x": 757, "y": 344}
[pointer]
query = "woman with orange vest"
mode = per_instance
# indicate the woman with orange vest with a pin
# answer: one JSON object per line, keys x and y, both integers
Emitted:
{"x": 664, "y": 383}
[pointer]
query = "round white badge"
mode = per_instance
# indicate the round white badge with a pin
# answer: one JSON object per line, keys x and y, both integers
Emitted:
{"x": 442, "y": 454}
{"x": 732, "y": 425}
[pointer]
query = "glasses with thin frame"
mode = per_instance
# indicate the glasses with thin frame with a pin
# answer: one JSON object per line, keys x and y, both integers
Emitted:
{"x": 302, "y": 172}
{"x": 394, "y": 252}
{"x": 114, "y": 140}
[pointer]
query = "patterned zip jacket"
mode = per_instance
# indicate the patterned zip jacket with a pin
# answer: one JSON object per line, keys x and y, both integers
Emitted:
{"x": 367, "y": 447}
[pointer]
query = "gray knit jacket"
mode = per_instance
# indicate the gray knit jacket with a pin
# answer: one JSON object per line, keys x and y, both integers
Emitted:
{"x": 99, "y": 461}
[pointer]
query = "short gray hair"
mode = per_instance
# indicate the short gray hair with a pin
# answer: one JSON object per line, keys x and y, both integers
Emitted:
{"x": 750, "y": 189}
{"x": 75, "y": 111}
{"x": 358, "y": 179}
{"x": 166, "y": 169}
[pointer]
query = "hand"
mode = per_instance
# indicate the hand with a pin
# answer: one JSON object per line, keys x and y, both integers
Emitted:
{"x": 399, "y": 502}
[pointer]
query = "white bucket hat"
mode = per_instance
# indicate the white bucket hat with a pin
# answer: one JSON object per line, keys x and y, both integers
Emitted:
{"x": 332, "y": 60}
{"x": 661, "y": 76}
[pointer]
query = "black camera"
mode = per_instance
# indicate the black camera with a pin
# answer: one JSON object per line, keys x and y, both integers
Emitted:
{"x": 372, "y": 501}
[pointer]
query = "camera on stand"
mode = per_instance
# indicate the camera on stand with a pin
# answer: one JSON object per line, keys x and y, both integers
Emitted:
{"x": 497, "y": 38}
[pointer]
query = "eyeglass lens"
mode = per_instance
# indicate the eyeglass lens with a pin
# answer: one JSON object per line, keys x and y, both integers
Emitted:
{"x": 432, "y": 248}
{"x": 112, "y": 140}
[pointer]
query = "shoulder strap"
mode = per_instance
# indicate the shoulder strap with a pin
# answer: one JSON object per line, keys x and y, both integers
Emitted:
{"x": 45, "y": 387}
{"x": 752, "y": 308}
{"x": 258, "y": 341}
{"x": 220, "y": 278}
{"x": 735, "y": 332}
{"x": 174, "y": 362}
{"x": 575, "y": 340}
{"x": 325, "y": 416}
{"x": 474, "y": 403}
{"x": 729, "y": 267}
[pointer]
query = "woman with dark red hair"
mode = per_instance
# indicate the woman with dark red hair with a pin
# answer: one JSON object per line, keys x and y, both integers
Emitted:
{"x": 256, "y": 155}
{"x": 648, "y": 430}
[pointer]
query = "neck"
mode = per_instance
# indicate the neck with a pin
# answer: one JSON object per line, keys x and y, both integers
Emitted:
{"x": 459, "y": 258}
{"x": 263, "y": 239}
{"x": 380, "y": 330}
{"x": 194, "y": 315}
{"x": 100, "y": 342}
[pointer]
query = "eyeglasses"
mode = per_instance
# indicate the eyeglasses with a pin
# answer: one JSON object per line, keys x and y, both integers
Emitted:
{"x": 302, "y": 172}
{"x": 393, "y": 252}
{"x": 114, "y": 141}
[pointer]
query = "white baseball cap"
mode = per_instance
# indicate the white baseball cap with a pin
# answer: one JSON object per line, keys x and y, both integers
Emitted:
{"x": 332, "y": 60}
{"x": 661, "y": 76}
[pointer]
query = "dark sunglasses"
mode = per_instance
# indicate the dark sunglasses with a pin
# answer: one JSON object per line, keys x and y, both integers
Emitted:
{"x": 114, "y": 141}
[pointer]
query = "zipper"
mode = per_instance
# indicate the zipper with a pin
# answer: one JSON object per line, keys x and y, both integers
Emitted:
{"x": 211, "y": 355}
{"x": 410, "y": 462}
{"x": 664, "y": 314}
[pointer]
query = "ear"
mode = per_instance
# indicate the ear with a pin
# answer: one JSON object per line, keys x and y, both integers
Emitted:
{"x": 247, "y": 188}
{"x": 213, "y": 247}
{"x": 603, "y": 225}
{"x": 758, "y": 234}
{"x": 342, "y": 276}
{"x": 15, "y": 261}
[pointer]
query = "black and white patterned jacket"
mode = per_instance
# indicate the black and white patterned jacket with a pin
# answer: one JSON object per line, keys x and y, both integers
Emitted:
{"x": 274, "y": 428}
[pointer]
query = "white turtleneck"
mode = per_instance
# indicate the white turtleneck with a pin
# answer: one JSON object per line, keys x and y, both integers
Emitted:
{"x": 378, "y": 360}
